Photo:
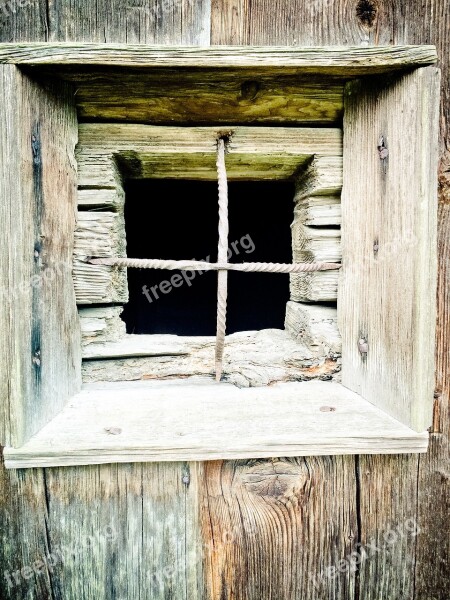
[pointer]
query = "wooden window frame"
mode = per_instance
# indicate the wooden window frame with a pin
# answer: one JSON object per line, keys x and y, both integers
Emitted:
{"x": 386, "y": 291}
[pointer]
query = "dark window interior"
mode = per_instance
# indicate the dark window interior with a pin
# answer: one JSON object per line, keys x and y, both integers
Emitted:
{"x": 179, "y": 220}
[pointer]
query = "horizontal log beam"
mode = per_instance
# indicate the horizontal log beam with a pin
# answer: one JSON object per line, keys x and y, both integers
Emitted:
{"x": 345, "y": 61}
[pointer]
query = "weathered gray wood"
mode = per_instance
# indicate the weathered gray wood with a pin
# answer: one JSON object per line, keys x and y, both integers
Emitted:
{"x": 99, "y": 234}
{"x": 40, "y": 360}
{"x": 320, "y": 286}
{"x": 323, "y": 177}
{"x": 139, "y": 22}
{"x": 387, "y": 291}
{"x": 315, "y": 326}
{"x": 109, "y": 199}
{"x": 355, "y": 61}
{"x": 147, "y": 151}
{"x": 178, "y": 421}
{"x": 251, "y": 359}
{"x": 318, "y": 211}
{"x": 101, "y": 324}
{"x": 315, "y": 244}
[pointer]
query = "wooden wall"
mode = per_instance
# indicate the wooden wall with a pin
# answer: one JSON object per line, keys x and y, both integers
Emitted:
{"x": 245, "y": 530}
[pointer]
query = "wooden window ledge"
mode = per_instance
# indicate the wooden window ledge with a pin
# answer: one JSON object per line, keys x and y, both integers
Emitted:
{"x": 198, "y": 419}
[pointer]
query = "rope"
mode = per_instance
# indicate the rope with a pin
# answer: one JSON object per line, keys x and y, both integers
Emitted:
{"x": 222, "y": 257}
{"x": 198, "y": 265}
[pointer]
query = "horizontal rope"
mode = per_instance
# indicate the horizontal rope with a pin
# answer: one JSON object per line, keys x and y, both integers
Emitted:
{"x": 197, "y": 265}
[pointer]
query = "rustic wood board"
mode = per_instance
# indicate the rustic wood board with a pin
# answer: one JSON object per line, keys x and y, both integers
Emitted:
{"x": 99, "y": 234}
{"x": 259, "y": 516}
{"x": 388, "y": 280}
{"x": 251, "y": 358}
{"x": 344, "y": 62}
{"x": 41, "y": 358}
{"x": 178, "y": 421}
{"x": 147, "y": 151}
{"x": 165, "y": 96}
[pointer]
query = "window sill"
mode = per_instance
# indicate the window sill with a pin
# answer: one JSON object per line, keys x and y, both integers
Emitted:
{"x": 197, "y": 419}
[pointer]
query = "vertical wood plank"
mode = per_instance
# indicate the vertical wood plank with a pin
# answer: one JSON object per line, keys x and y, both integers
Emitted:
{"x": 279, "y": 528}
{"x": 389, "y": 526}
{"x": 138, "y": 21}
{"x": 24, "y": 546}
{"x": 95, "y": 525}
{"x": 386, "y": 297}
{"x": 38, "y": 373}
{"x": 172, "y": 549}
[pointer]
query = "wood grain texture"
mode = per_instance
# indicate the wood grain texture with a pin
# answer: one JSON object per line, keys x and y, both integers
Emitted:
{"x": 41, "y": 366}
{"x": 345, "y": 62}
{"x": 315, "y": 326}
{"x": 176, "y": 421}
{"x": 101, "y": 324}
{"x": 139, "y": 21}
{"x": 388, "y": 280}
{"x": 319, "y": 211}
{"x": 146, "y": 151}
{"x": 100, "y": 234}
{"x": 220, "y": 96}
{"x": 251, "y": 359}
{"x": 261, "y": 517}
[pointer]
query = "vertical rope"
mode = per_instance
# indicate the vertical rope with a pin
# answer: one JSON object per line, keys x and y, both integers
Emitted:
{"x": 222, "y": 257}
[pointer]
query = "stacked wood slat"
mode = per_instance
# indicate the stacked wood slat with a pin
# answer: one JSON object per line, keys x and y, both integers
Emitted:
{"x": 317, "y": 204}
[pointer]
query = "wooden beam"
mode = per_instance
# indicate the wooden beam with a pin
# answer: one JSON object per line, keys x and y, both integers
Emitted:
{"x": 101, "y": 324}
{"x": 315, "y": 326}
{"x": 181, "y": 96}
{"x": 387, "y": 294}
{"x": 101, "y": 198}
{"x": 146, "y": 151}
{"x": 318, "y": 211}
{"x": 173, "y": 421}
{"x": 252, "y": 358}
{"x": 100, "y": 234}
{"x": 323, "y": 177}
{"x": 321, "y": 286}
{"x": 344, "y": 62}
{"x": 315, "y": 244}
{"x": 40, "y": 364}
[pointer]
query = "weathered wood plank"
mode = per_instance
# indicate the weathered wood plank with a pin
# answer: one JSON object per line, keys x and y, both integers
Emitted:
{"x": 259, "y": 516}
{"x": 318, "y": 211}
{"x": 323, "y": 177}
{"x": 25, "y": 549}
{"x": 179, "y": 96}
{"x": 387, "y": 290}
{"x": 171, "y": 497}
{"x": 433, "y": 468}
{"x": 320, "y": 286}
{"x": 101, "y": 324}
{"x": 315, "y": 326}
{"x": 252, "y": 359}
{"x": 315, "y": 244}
{"x": 109, "y": 199}
{"x": 100, "y": 234}
{"x": 82, "y": 535}
{"x": 288, "y": 419}
{"x": 41, "y": 360}
{"x": 138, "y": 22}
{"x": 190, "y": 152}
{"x": 345, "y": 62}
{"x": 389, "y": 527}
